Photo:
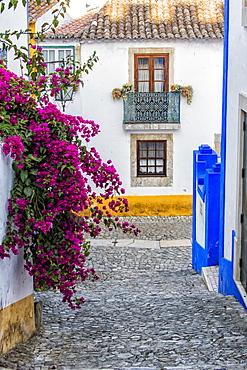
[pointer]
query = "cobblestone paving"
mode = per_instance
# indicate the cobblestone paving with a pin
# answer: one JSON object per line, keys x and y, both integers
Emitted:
{"x": 148, "y": 311}
{"x": 154, "y": 228}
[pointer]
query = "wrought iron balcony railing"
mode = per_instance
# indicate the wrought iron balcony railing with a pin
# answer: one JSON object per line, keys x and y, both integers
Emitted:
{"x": 152, "y": 107}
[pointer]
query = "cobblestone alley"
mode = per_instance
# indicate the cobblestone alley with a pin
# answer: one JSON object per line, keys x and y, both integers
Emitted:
{"x": 148, "y": 311}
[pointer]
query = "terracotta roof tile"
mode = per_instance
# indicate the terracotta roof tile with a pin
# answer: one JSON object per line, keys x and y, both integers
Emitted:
{"x": 74, "y": 27}
{"x": 149, "y": 19}
{"x": 35, "y": 11}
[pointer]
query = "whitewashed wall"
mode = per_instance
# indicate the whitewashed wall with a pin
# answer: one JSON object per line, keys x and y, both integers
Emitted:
{"x": 48, "y": 17}
{"x": 15, "y": 282}
{"x": 15, "y": 20}
{"x": 197, "y": 63}
{"x": 237, "y": 84}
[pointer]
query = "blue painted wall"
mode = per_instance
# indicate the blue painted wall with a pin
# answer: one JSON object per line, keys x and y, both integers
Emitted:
{"x": 206, "y": 189}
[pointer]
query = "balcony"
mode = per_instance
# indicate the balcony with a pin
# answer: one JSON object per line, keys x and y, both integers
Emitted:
{"x": 152, "y": 111}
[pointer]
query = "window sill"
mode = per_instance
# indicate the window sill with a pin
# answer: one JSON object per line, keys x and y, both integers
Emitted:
{"x": 152, "y": 126}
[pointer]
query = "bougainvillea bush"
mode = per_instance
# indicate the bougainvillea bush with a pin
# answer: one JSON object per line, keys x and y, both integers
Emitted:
{"x": 53, "y": 165}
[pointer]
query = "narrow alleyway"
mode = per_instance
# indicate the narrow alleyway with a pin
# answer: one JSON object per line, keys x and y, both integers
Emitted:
{"x": 148, "y": 311}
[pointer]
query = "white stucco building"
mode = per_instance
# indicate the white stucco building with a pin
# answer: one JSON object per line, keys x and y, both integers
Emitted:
{"x": 151, "y": 45}
{"x": 233, "y": 218}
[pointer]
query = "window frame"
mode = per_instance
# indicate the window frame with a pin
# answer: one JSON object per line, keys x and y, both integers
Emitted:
{"x": 244, "y": 13}
{"x": 155, "y": 158}
{"x": 151, "y": 69}
{"x": 56, "y": 48}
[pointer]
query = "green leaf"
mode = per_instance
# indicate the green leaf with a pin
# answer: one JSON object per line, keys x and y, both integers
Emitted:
{"x": 28, "y": 182}
{"x": 24, "y": 175}
{"x": 14, "y": 166}
{"x": 28, "y": 191}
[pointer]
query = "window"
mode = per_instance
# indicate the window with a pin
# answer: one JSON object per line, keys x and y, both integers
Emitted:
{"x": 54, "y": 55}
{"x": 244, "y": 13}
{"x": 151, "y": 158}
{"x": 3, "y": 54}
{"x": 151, "y": 72}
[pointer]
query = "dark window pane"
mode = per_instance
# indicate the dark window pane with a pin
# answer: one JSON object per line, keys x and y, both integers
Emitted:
{"x": 143, "y": 145}
{"x": 151, "y": 145}
{"x": 151, "y": 153}
{"x": 159, "y": 63}
{"x": 160, "y": 145}
{"x": 143, "y": 153}
{"x": 160, "y": 154}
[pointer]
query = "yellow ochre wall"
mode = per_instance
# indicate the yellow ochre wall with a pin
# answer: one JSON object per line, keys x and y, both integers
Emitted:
{"x": 17, "y": 323}
{"x": 160, "y": 205}
{"x": 32, "y": 27}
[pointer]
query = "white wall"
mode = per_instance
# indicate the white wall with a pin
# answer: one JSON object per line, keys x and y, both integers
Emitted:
{"x": 196, "y": 63}
{"x": 48, "y": 17}
{"x": 237, "y": 84}
{"x": 15, "y": 20}
{"x": 15, "y": 282}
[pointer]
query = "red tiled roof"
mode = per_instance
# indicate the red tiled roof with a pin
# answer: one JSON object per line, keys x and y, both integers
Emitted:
{"x": 149, "y": 19}
{"x": 35, "y": 11}
{"x": 73, "y": 27}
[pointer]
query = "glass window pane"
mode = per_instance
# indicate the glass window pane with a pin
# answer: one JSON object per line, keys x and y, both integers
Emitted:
{"x": 151, "y": 153}
{"x": 151, "y": 162}
{"x": 151, "y": 169}
{"x": 159, "y": 154}
{"x": 159, "y": 162}
{"x": 143, "y": 162}
{"x": 143, "y": 86}
{"x": 143, "y": 169}
{"x": 143, "y": 63}
{"x": 51, "y": 67}
{"x": 159, "y": 86}
{"x": 159, "y": 145}
{"x": 159, "y": 170}
{"x": 60, "y": 54}
{"x": 143, "y": 145}
{"x": 51, "y": 56}
{"x": 68, "y": 52}
{"x": 159, "y": 74}
{"x": 143, "y": 75}
{"x": 45, "y": 53}
{"x": 159, "y": 63}
{"x": 143, "y": 153}
{"x": 151, "y": 145}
